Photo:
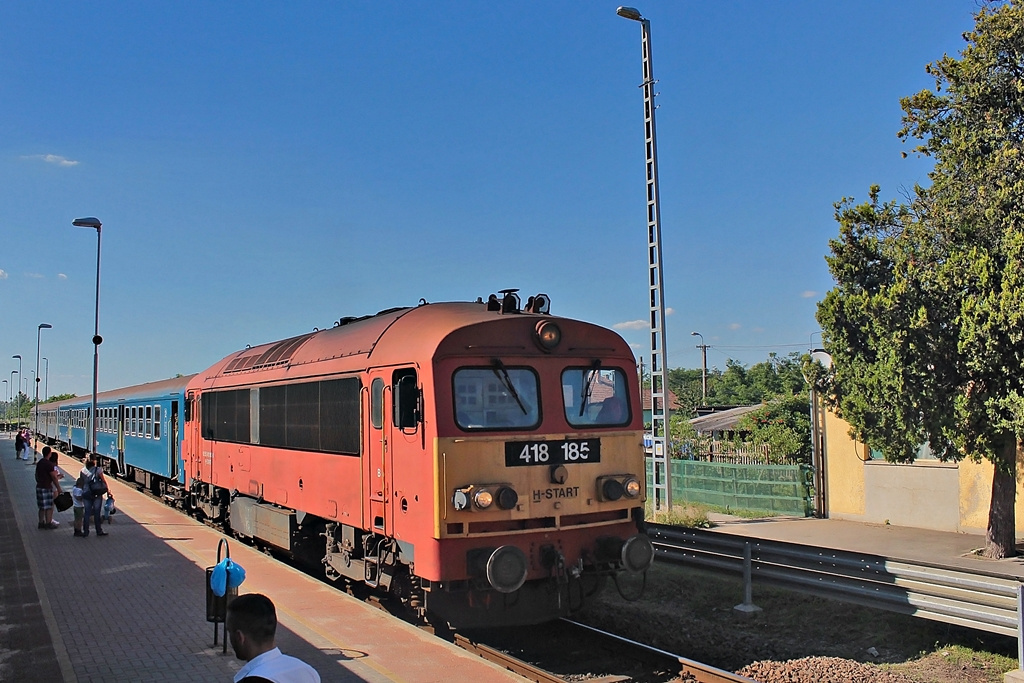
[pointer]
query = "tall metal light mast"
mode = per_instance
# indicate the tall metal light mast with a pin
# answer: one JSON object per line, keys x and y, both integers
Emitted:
{"x": 656, "y": 281}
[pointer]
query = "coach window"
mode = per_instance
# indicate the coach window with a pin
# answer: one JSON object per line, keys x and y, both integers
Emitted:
{"x": 496, "y": 397}
{"x": 377, "y": 403}
{"x": 149, "y": 422}
{"x": 156, "y": 422}
{"x": 595, "y": 396}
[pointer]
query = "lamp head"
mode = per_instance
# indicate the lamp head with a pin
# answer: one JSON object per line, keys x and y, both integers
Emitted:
{"x": 90, "y": 222}
{"x": 45, "y": 326}
{"x": 629, "y": 13}
{"x": 17, "y": 355}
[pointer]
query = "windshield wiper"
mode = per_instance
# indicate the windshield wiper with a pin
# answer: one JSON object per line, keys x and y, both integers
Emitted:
{"x": 497, "y": 366}
{"x": 588, "y": 386}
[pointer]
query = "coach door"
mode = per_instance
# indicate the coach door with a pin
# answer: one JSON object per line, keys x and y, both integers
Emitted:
{"x": 175, "y": 442}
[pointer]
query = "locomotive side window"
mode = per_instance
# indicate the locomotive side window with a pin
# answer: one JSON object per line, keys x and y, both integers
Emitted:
{"x": 377, "y": 403}
{"x": 595, "y": 396}
{"x": 225, "y": 415}
{"x": 496, "y": 397}
{"x": 318, "y": 416}
{"x": 406, "y": 409}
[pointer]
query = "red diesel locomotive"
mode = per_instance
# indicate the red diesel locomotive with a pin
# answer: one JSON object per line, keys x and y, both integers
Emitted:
{"x": 481, "y": 462}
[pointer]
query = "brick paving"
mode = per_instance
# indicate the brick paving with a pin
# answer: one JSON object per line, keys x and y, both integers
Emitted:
{"x": 131, "y": 606}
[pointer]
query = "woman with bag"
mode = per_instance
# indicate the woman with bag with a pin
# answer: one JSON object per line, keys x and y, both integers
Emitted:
{"x": 92, "y": 493}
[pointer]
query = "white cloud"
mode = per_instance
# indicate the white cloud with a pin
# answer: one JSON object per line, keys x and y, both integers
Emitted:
{"x": 632, "y": 325}
{"x": 734, "y": 326}
{"x": 808, "y": 294}
{"x": 52, "y": 159}
{"x": 34, "y": 276}
{"x": 62, "y": 276}
{"x": 669, "y": 310}
{"x": 3, "y": 274}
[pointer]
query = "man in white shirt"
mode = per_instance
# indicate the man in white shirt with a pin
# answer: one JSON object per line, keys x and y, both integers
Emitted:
{"x": 251, "y": 624}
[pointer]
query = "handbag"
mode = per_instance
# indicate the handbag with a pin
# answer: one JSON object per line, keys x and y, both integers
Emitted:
{"x": 63, "y": 501}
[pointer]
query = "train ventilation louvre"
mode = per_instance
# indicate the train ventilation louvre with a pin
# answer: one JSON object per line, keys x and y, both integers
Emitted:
{"x": 278, "y": 354}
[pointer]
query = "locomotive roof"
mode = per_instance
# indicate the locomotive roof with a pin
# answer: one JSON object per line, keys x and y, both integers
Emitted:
{"x": 397, "y": 335}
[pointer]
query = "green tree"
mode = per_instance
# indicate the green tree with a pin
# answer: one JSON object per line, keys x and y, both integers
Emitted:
{"x": 926, "y": 322}
{"x": 784, "y": 425}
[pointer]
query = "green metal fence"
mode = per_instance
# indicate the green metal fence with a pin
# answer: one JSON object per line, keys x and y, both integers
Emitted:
{"x": 771, "y": 489}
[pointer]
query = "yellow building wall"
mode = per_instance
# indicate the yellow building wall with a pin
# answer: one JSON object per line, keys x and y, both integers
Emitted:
{"x": 846, "y": 496}
{"x": 844, "y": 468}
{"x": 976, "y": 492}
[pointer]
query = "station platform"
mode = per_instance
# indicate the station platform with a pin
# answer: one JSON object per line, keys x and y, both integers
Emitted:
{"x": 938, "y": 548}
{"x": 131, "y": 606}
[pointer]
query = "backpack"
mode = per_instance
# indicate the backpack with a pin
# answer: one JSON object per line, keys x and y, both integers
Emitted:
{"x": 96, "y": 485}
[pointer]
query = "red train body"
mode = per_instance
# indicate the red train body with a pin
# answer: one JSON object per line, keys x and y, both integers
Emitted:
{"x": 484, "y": 466}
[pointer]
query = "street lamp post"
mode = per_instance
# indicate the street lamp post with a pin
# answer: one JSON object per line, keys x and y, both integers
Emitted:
{"x": 39, "y": 330}
{"x": 703, "y": 366}
{"x": 13, "y": 386}
{"x": 7, "y": 402}
{"x": 659, "y": 366}
{"x": 18, "y": 395}
{"x": 92, "y": 222}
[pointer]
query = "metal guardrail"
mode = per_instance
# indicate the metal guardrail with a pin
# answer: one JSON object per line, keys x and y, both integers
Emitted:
{"x": 987, "y": 602}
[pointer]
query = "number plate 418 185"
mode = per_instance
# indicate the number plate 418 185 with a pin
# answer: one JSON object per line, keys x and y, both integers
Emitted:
{"x": 568, "y": 451}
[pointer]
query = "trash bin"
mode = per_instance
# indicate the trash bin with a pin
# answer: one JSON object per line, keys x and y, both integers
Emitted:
{"x": 217, "y": 606}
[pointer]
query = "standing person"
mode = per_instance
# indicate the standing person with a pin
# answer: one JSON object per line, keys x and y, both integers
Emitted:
{"x": 92, "y": 494}
{"x": 47, "y": 486}
{"x": 29, "y": 444}
{"x": 78, "y": 501}
{"x": 251, "y": 623}
{"x": 19, "y": 444}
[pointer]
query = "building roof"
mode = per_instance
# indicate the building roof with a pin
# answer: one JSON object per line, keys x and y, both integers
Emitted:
{"x": 722, "y": 421}
{"x": 645, "y": 397}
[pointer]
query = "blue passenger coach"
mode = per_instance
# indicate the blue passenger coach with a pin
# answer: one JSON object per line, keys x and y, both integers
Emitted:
{"x": 138, "y": 433}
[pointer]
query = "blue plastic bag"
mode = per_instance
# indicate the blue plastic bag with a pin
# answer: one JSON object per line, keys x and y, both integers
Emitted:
{"x": 226, "y": 574}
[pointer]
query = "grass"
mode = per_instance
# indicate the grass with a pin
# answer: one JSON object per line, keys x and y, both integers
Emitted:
{"x": 695, "y": 515}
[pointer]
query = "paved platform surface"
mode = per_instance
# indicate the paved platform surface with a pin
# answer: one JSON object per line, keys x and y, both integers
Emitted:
{"x": 940, "y": 548}
{"x": 131, "y": 606}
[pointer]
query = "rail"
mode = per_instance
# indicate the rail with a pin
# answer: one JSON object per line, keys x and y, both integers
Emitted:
{"x": 978, "y": 600}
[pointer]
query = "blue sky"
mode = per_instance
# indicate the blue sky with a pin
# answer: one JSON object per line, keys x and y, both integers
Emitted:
{"x": 262, "y": 169}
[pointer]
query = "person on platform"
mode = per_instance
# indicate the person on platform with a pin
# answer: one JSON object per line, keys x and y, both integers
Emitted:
{"x": 19, "y": 444}
{"x": 92, "y": 493}
{"x": 251, "y": 624}
{"x": 47, "y": 487}
{"x": 78, "y": 502}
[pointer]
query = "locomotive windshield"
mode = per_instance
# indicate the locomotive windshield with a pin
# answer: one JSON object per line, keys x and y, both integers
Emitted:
{"x": 496, "y": 397}
{"x": 595, "y": 396}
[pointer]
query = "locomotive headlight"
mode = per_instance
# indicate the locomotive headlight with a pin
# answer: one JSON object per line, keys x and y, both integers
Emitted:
{"x": 631, "y": 486}
{"x": 547, "y": 335}
{"x": 611, "y": 489}
{"x": 507, "y": 498}
{"x": 460, "y": 500}
{"x": 483, "y": 499}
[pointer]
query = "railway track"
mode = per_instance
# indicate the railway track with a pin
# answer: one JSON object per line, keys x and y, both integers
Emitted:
{"x": 568, "y": 650}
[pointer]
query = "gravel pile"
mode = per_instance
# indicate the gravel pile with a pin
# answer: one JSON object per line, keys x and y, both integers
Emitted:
{"x": 820, "y": 670}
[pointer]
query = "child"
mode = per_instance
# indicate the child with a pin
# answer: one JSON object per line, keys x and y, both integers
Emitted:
{"x": 79, "y": 504}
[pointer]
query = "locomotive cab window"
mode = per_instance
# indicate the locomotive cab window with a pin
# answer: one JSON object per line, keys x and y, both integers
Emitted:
{"x": 595, "y": 396}
{"x": 496, "y": 397}
{"x": 406, "y": 409}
